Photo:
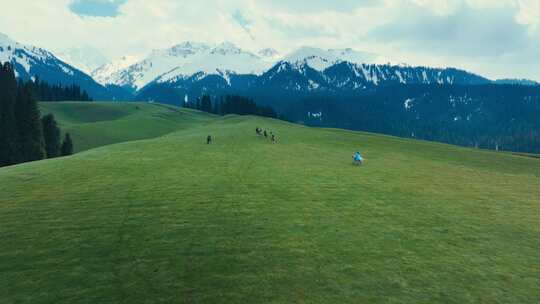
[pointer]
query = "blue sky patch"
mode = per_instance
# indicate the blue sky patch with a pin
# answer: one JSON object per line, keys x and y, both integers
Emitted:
{"x": 96, "y": 8}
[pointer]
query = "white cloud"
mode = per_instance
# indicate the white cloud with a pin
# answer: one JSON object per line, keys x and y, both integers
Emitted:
{"x": 529, "y": 14}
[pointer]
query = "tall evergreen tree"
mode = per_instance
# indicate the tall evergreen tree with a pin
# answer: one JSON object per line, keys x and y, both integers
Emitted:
{"x": 206, "y": 104}
{"x": 30, "y": 131}
{"x": 67, "y": 146}
{"x": 8, "y": 126}
{"x": 51, "y": 135}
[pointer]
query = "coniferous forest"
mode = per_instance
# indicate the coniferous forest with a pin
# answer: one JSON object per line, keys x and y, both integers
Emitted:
{"x": 24, "y": 134}
{"x": 46, "y": 92}
{"x": 495, "y": 117}
{"x": 231, "y": 104}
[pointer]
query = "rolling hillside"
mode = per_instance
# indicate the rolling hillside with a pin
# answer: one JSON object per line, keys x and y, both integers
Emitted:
{"x": 101, "y": 123}
{"x": 173, "y": 220}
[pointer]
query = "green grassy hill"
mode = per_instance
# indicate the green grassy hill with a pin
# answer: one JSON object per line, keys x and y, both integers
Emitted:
{"x": 173, "y": 220}
{"x": 101, "y": 123}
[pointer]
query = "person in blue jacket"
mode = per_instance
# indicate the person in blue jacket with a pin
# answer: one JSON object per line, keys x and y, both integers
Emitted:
{"x": 357, "y": 158}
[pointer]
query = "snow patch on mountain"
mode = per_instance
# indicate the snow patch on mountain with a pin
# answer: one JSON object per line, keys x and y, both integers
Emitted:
{"x": 26, "y": 56}
{"x": 408, "y": 104}
{"x": 5, "y": 40}
{"x": 85, "y": 58}
{"x": 320, "y": 59}
{"x": 224, "y": 59}
{"x": 108, "y": 72}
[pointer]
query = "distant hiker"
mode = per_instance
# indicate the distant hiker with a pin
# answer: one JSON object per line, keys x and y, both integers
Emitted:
{"x": 265, "y": 134}
{"x": 357, "y": 159}
{"x": 208, "y": 139}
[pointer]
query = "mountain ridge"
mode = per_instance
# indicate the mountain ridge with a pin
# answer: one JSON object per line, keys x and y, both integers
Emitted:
{"x": 195, "y": 61}
{"x": 194, "y": 68}
{"x": 288, "y": 78}
{"x": 31, "y": 62}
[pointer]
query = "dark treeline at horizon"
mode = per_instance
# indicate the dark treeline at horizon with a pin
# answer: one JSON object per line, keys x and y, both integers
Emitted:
{"x": 231, "y": 104}
{"x": 44, "y": 91}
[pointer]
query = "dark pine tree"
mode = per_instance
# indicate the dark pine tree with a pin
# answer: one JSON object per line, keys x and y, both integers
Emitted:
{"x": 51, "y": 135}
{"x": 67, "y": 146}
{"x": 198, "y": 104}
{"x": 8, "y": 126}
{"x": 206, "y": 104}
{"x": 30, "y": 131}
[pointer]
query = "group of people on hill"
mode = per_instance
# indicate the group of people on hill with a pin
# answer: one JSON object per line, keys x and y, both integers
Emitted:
{"x": 261, "y": 132}
{"x": 357, "y": 157}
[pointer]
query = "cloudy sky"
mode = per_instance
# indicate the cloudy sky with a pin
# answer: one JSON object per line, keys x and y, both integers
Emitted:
{"x": 495, "y": 38}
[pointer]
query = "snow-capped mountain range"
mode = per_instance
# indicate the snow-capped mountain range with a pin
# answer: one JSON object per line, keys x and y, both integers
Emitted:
{"x": 183, "y": 61}
{"x": 194, "y": 68}
{"x": 226, "y": 66}
{"x": 288, "y": 81}
{"x": 30, "y": 62}
{"x": 187, "y": 59}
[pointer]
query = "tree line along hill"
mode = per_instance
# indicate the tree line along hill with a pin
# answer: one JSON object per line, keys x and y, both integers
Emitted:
{"x": 231, "y": 104}
{"x": 24, "y": 134}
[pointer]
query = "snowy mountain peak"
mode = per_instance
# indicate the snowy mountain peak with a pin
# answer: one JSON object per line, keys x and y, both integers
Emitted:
{"x": 269, "y": 54}
{"x": 226, "y": 48}
{"x": 191, "y": 45}
{"x": 316, "y": 58}
{"x": 85, "y": 58}
{"x": 184, "y": 49}
{"x": 184, "y": 60}
{"x": 354, "y": 56}
{"x": 106, "y": 72}
{"x": 320, "y": 59}
{"x": 25, "y": 58}
{"x": 6, "y": 41}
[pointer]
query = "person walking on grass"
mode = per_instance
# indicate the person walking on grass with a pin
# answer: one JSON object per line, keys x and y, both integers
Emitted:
{"x": 357, "y": 159}
{"x": 209, "y": 139}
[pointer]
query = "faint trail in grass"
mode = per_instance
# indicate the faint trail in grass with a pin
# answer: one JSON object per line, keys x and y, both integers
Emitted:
{"x": 118, "y": 244}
